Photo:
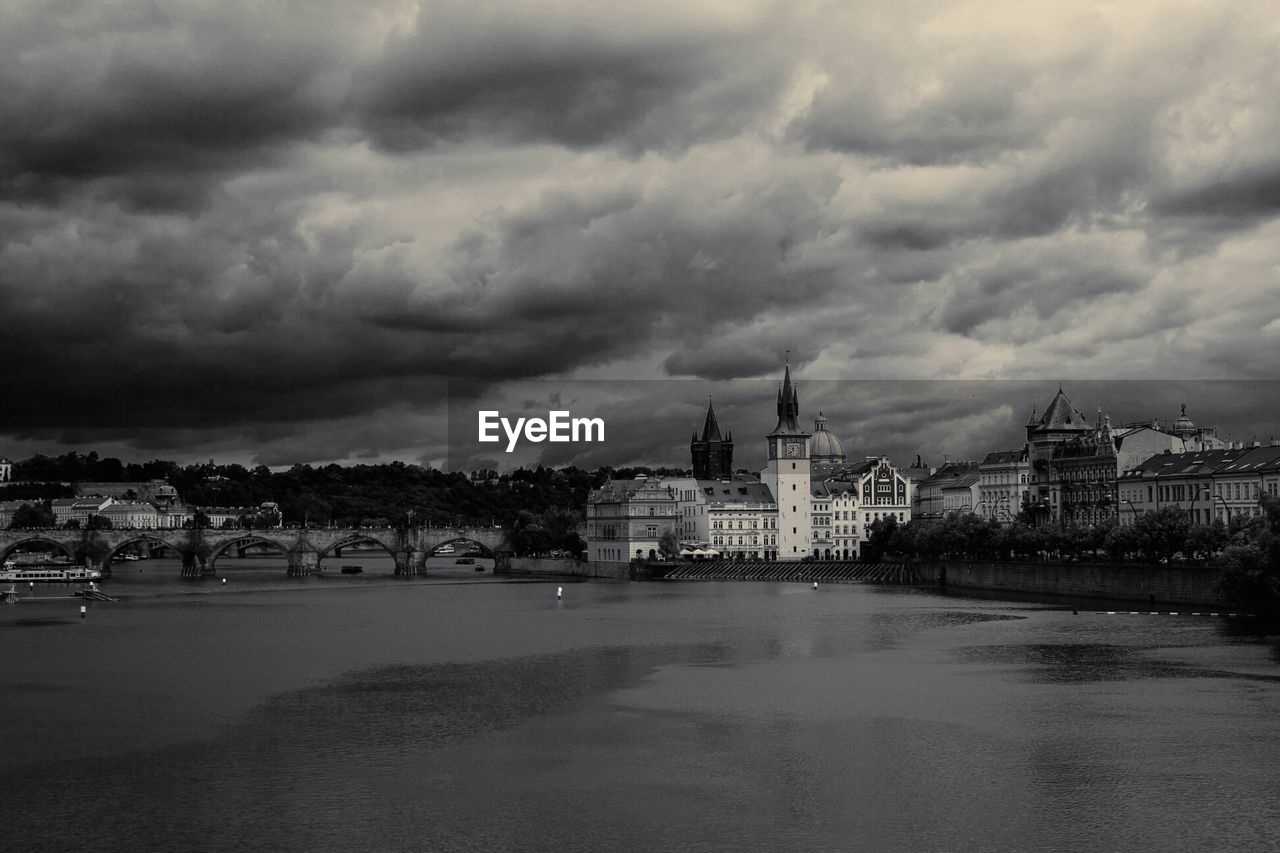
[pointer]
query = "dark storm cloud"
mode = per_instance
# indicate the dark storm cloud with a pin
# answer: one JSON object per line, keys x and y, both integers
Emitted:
{"x": 581, "y": 75}
{"x": 285, "y": 228}
{"x": 995, "y": 293}
{"x": 1235, "y": 201}
{"x": 158, "y": 102}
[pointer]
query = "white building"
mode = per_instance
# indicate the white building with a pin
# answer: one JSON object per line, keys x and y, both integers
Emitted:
{"x": 742, "y": 519}
{"x": 134, "y": 515}
{"x": 6, "y": 470}
{"x": 845, "y": 506}
{"x": 78, "y": 509}
{"x": 787, "y": 475}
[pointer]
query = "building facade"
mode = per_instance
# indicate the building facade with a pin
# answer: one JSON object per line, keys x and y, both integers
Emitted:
{"x": 626, "y": 519}
{"x": 1003, "y": 483}
{"x": 845, "y": 506}
{"x": 932, "y": 501}
{"x": 1207, "y": 485}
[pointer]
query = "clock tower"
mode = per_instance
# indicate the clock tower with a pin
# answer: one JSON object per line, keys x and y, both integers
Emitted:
{"x": 787, "y": 474}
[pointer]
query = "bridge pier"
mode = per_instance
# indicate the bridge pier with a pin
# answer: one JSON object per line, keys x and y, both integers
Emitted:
{"x": 406, "y": 564}
{"x": 303, "y": 563}
{"x": 196, "y": 566}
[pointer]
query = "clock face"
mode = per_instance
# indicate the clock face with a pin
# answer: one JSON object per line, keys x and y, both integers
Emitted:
{"x": 793, "y": 450}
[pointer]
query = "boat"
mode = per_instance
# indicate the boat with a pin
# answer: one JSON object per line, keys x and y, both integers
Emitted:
{"x": 352, "y": 570}
{"x": 464, "y": 561}
{"x": 444, "y": 549}
{"x": 50, "y": 574}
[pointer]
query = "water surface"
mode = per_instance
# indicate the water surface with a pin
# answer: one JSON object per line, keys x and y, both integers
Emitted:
{"x": 369, "y": 712}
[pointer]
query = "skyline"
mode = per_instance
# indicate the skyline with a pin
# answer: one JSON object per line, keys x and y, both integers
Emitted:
{"x": 227, "y": 235}
{"x": 938, "y": 420}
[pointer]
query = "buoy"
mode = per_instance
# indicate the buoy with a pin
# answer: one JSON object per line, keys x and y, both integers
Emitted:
{"x": 559, "y": 591}
{"x": 84, "y": 611}
{"x": 224, "y": 580}
{"x": 815, "y": 584}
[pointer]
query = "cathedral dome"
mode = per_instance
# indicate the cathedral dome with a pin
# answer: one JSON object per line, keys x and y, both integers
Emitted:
{"x": 823, "y": 446}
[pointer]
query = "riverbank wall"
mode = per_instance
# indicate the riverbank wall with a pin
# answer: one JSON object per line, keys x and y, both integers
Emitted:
{"x": 1173, "y": 585}
{"x": 545, "y": 567}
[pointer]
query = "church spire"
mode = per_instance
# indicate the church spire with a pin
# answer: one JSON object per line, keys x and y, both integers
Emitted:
{"x": 788, "y": 403}
{"x": 711, "y": 427}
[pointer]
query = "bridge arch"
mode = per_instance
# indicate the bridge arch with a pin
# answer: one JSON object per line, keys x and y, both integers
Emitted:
{"x": 485, "y": 550}
{"x": 356, "y": 539}
{"x": 12, "y": 547}
{"x": 221, "y": 548}
{"x": 142, "y": 536}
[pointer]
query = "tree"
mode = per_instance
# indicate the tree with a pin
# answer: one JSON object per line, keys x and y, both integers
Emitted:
{"x": 880, "y": 536}
{"x": 1251, "y": 563}
{"x": 669, "y": 544}
{"x": 31, "y": 515}
{"x": 1162, "y": 533}
{"x": 97, "y": 522}
{"x": 1205, "y": 540}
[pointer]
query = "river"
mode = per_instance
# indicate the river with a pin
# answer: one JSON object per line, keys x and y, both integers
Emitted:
{"x": 460, "y": 712}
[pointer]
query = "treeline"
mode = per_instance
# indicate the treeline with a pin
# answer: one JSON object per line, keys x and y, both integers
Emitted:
{"x": 390, "y": 494}
{"x": 1247, "y": 550}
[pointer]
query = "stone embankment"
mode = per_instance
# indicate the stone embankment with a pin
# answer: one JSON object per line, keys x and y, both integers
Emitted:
{"x": 806, "y": 571}
{"x": 1148, "y": 584}
{"x": 542, "y": 567}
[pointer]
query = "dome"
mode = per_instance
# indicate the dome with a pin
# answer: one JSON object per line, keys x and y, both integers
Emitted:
{"x": 823, "y": 446}
{"x": 1183, "y": 424}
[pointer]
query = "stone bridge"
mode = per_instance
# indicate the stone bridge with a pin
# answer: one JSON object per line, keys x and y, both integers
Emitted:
{"x": 303, "y": 549}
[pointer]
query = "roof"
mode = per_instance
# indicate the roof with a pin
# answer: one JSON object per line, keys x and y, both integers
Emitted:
{"x": 1254, "y": 460}
{"x": 735, "y": 491}
{"x": 1003, "y": 457}
{"x": 964, "y": 481}
{"x": 1061, "y": 415}
{"x": 824, "y": 444}
{"x": 1189, "y": 463}
{"x": 613, "y": 490}
{"x": 711, "y": 427}
{"x": 947, "y": 472}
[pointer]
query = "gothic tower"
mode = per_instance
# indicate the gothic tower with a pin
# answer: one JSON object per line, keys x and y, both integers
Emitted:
{"x": 712, "y": 454}
{"x": 787, "y": 474}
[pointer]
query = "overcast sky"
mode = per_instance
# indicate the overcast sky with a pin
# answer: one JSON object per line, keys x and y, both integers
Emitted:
{"x": 273, "y": 232}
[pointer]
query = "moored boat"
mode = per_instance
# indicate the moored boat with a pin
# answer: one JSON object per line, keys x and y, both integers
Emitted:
{"x": 50, "y": 574}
